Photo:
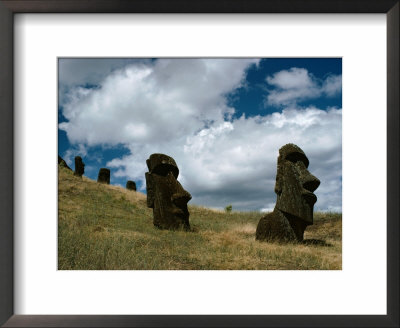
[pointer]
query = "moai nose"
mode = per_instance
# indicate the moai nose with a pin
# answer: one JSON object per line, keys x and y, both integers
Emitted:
{"x": 311, "y": 183}
{"x": 181, "y": 198}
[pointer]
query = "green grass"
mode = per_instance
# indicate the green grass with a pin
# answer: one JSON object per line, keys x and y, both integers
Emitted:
{"x": 104, "y": 227}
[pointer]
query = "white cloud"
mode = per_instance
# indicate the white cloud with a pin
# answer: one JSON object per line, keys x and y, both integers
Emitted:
{"x": 177, "y": 107}
{"x": 332, "y": 85}
{"x": 294, "y": 78}
{"x": 74, "y": 72}
{"x": 153, "y": 102}
{"x": 297, "y": 84}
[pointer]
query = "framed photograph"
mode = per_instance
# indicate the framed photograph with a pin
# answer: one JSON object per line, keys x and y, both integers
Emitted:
{"x": 194, "y": 166}
{"x": 184, "y": 133}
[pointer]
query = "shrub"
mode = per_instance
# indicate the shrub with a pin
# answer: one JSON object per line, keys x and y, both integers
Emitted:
{"x": 228, "y": 208}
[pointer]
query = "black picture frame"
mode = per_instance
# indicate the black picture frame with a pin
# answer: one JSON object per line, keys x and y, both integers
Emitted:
{"x": 7, "y": 10}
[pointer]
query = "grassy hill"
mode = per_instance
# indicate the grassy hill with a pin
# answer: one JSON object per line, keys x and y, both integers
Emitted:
{"x": 104, "y": 227}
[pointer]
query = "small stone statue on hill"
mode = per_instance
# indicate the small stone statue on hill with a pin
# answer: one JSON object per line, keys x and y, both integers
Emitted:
{"x": 104, "y": 176}
{"x": 294, "y": 206}
{"x": 165, "y": 195}
{"x": 131, "y": 185}
{"x": 79, "y": 166}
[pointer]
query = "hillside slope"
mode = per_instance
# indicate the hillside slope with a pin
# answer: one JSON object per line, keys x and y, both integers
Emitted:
{"x": 104, "y": 227}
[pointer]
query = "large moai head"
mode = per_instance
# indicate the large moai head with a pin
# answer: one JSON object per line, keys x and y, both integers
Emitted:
{"x": 79, "y": 166}
{"x": 131, "y": 185}
{"x": 295, "y": 184}
{"x": 104, "y": 176}
{"x": 165, "y": 195}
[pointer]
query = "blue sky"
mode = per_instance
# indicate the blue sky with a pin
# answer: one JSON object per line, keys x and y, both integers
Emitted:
{"x": 222, "y": 120}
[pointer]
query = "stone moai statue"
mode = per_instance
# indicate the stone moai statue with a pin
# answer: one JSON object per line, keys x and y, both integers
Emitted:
{"x": 131, "y": 185}
{"x": 165, "y": 195}
{"x": 104, "y": 176}
{"x": 294, "y": 206}
{"x": 79, "y": 166}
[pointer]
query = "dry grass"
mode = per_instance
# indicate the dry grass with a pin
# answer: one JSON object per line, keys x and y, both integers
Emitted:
{"x": 104, "y": 227}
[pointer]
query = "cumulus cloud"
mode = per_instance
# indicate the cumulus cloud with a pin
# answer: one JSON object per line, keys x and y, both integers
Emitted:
{"x": 153, "y": 103}
{"x": 180, "y": 108}
{"x": 74, "y": 72}
{"x": 297, "y": 84}
{"x": 332, "y": 85}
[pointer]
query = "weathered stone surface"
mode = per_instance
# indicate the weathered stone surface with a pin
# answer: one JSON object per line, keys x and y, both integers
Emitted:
{"x": 295, "y": 198}
{"x": 79, "y": 166}
{"x": 104, "y": 176}
{"x": 165, "y": 195}
{"x": 131, "y": 185}
{"x": 62, "y": 163}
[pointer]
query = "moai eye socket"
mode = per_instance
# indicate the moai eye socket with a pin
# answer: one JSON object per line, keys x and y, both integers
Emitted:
{"x": 164, "y": 169}
{"x": 297, "y": 157}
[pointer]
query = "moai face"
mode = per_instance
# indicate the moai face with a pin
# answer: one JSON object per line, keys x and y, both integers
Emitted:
{"x": 295, "y": 184}
{"x": 165, "y": 195}
{"x": 79, "y": 166}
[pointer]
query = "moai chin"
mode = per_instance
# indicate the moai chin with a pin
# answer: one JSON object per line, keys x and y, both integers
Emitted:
{"x": 104, "y": 176}
{"x": 165, "y": 195}
{"x": 294, "y": 206}
{"x": 79, "y": 166}
{"x": 131, "y": 185}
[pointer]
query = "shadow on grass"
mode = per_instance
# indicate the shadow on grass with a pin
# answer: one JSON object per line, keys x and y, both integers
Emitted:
{"x": 316, "y": 242}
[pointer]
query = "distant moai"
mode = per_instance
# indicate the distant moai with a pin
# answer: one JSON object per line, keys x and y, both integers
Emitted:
{"x": 165, "y": 195}
{"x": 294, "y": 206}
{"x": 131, "y": 185}
{"x": 79, "y": 166}
{"x": 61, "y": 162}
{"x": 104, "y": 176}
